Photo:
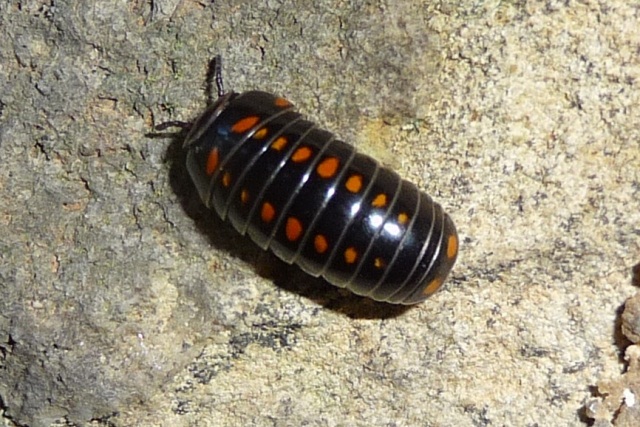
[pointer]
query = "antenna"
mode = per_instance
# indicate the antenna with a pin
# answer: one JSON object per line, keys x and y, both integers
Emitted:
{"x": 215, "y": 75}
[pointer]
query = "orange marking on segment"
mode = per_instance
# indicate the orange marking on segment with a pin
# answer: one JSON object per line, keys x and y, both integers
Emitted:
{"x": 433, "y": 286}
{"x": 244, "y": 196}
{"x": 379, "y": 263}
{"x": 379, "y": 201}
{"x": 452, "y": 246}
{"x": 354, "y": 183}
{"x": 226, "y": 179}
{"x": 320, "y": 243}
{"x": 212, "y": 161}
{"x": 350, "y": 255}
{"x": 245, "y": 124}
{"x": 268, "y": 212}
{"x": 293, "y": 228}
{"x": 328, "y": 167}
{"x": 260, "y": 133}
{"x": 403, "y": 218}
{"x": 279, "y": 143}
{"x": 301, "y": 154}
{"x": 281, "y": 102}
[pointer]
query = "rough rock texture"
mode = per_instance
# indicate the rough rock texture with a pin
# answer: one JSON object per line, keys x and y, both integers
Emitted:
{"x": 124, "y": 302}
{"x": 620, "y": 406}
{"x": 617, "y": 404}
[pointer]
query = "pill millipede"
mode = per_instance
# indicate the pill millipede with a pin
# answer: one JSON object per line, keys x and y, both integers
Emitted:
{"x": 314, "y": 201}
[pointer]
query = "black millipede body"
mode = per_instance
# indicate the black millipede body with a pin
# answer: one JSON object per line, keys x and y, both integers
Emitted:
{"x": 309, "y": 197}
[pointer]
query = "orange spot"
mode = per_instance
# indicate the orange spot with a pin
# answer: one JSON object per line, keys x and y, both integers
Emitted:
{"x": 212, "y": 161}
{"x": 403, "y": 218}
{"x": 452, "y": 246}
{"x": 350, "y": 255}
{"x": 244, "y": 196}
{"x": 354, "y": 183}
{"x": 301, "y": 154}
{"x": 268, "y": 212}
{"x": 379, "y": 263}
{"x": 380, "y": 201}
{"x": 226, "y": 179}
{"x": 328, "y": 167}
{"x": 320, "y": 243}
{"x": 261, "y": 133}
{"x": 281, "y": 102}
{"x": 433, "y": 286}
{"x": 293, "y": 229}
{"x": 279, "y": 143}
{"x": 245, "y": 124}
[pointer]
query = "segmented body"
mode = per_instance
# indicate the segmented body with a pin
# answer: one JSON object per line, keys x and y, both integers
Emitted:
{"x": 314, "y": 201}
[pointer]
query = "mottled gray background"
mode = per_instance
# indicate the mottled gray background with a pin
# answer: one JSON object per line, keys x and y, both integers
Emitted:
{"x": 124, "y": 302}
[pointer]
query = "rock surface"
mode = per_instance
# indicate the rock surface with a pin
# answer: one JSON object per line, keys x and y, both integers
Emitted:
{"x": 124, "y": 302}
